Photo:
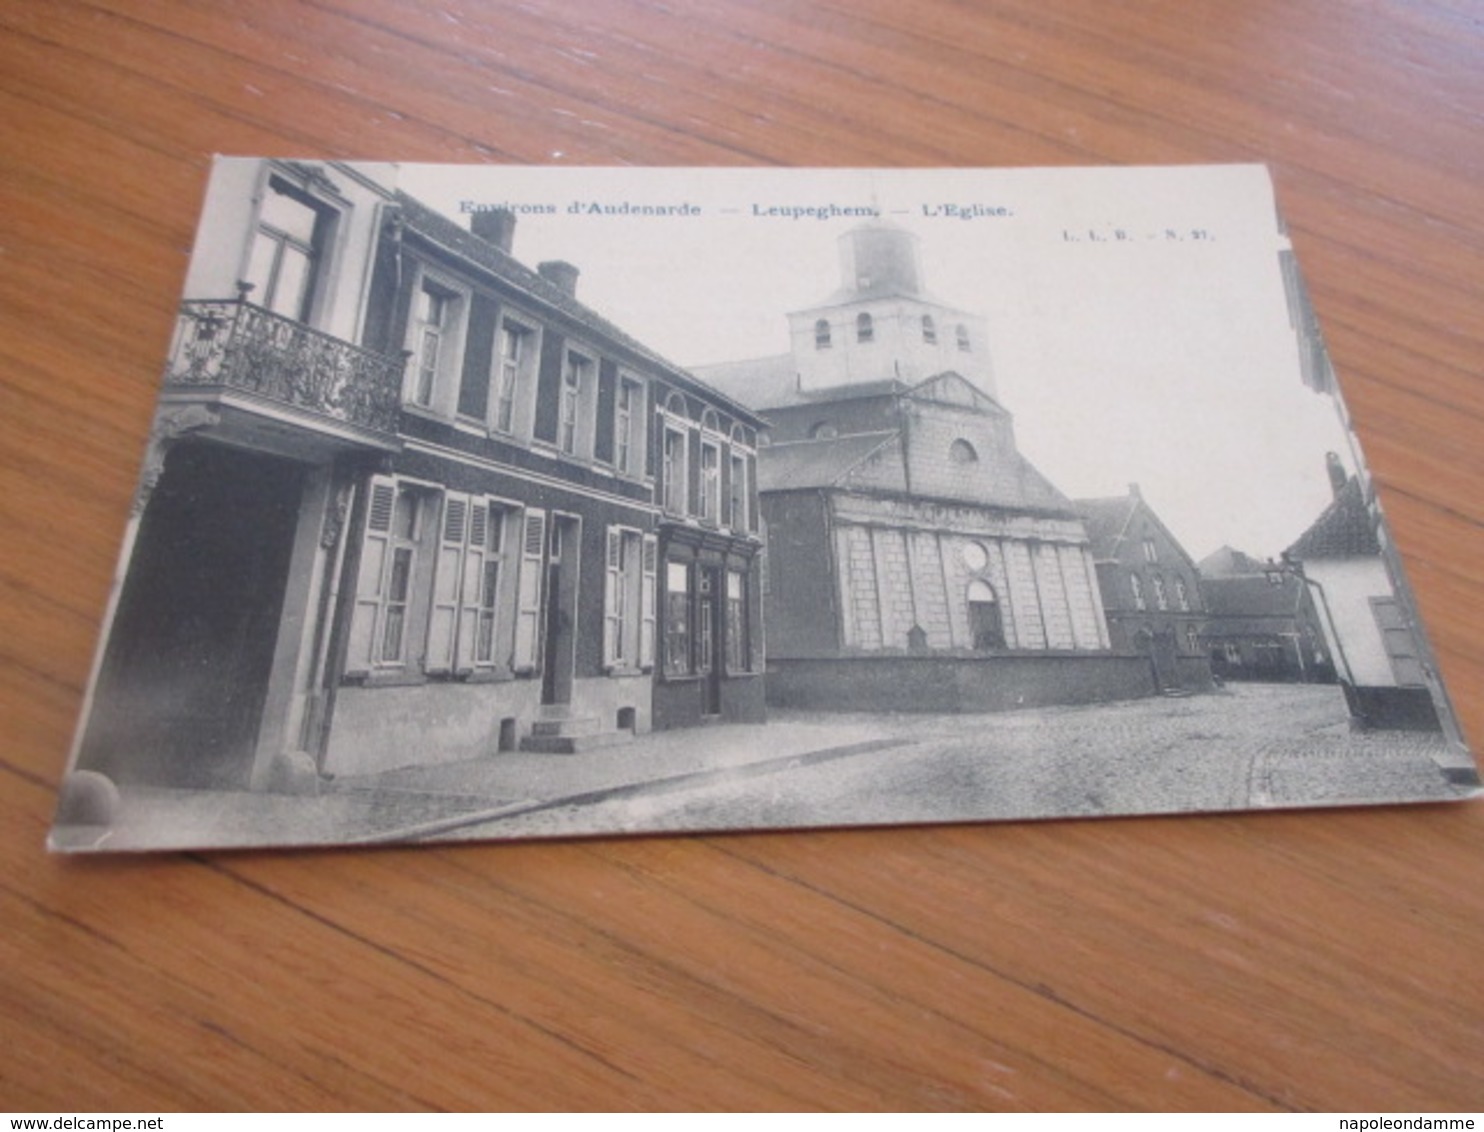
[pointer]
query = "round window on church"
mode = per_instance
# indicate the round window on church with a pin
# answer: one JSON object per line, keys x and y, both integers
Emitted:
{"x": 975, "y": 557}
{"x": 962, "y": 452}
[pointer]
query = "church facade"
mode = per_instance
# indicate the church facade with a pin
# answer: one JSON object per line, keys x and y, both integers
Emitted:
{"x": 916, "y": 559}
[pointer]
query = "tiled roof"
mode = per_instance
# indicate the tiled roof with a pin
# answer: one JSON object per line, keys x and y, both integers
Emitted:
{"x": 1344, "y": 529}
{"x": 1251, "y": 595}
{"x": 1106, "y": 520}
{"x": 440, "y": 230}
{"x": 816, "y": 463}
{"x": 1228, "y": 562}
{"x": 772, "y": 383}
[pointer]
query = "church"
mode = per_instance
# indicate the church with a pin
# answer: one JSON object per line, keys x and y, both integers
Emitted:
{"x": 915, "y": 558}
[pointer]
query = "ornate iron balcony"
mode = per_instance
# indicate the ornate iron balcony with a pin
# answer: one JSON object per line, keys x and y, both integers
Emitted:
{"x": 233, "y": 344}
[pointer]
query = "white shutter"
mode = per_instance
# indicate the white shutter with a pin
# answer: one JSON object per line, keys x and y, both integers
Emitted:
{"x": 371, "y": 576}
{"x": 528, "y": 605}
{"x": 613, "y": 597}
{"x": 648, "y": 600}
{"x": 473, "y": 577}
{"x": 442, "y": 619}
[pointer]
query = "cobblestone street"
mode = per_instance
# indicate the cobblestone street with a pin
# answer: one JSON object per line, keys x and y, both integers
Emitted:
{"x": 1252, "y": 746}
{"x": 1249, "y": 746}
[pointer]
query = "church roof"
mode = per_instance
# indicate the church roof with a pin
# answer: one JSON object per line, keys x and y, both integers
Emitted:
{"x": 772, "y": 383}
{"x": 816, "y": 463}
{"x": 1343, "y": 530}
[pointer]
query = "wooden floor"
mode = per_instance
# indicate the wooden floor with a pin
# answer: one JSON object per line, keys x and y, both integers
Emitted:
{"x": 1279, "y": 961}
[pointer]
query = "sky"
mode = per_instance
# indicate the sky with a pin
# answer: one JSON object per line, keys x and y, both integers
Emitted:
{"x": 1138, "y": 327}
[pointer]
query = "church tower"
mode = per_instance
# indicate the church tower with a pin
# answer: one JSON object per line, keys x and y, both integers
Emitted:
{"x": 882, "y": 325}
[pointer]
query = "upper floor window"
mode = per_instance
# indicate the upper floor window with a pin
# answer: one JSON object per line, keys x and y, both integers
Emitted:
{"x": 432, "y": 322}
{"x": 515, "y": 357}
{"x": 865, "y": 328}
{"x": 739, "y": 510}
{"x": 1151, "y": 552}
{"x": 822, "y": 334}
{"x": 962, "y": 333}
{"x": 710, "y": 481}
{"x": 673, "y": 471}
{"x": 962, "y": 452}
{"x": 628, "y": 437}
{"x": 287, "y": 249}
{"x": 929, "y": 331}
{"x": 575, "y": 379}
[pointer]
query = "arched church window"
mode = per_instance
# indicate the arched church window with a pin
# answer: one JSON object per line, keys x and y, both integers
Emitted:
{"x": 822, "y": 334}
{"x": 865, "y": 328}
{"x": 962, "y": 452}
{"x": 986, "y": 628}
{"x": 962, "y": 333}
{"x": 1159, "y": 592}
{"x": 929, "y": 331}
{"x": 1136, "y": 585}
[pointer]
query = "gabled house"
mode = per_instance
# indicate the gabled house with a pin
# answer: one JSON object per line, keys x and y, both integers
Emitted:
{"x": 1379, "y": 655}
{"x": 1150, "y": 588}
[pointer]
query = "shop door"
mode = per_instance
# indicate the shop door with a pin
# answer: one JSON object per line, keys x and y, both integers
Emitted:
{"x": 711, "y": 631}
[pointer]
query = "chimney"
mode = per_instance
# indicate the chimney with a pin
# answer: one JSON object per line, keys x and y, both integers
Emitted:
{"x": 1337, "y": 475}
{"x": 560, "y": 274}
{"x": 1134, "y": 492}
{"x": 495, "y": 225}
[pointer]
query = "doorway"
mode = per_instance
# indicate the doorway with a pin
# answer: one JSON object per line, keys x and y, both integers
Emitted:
{"x": 559, "y": 617}
{"x": 185, "y": 674}
{"x": 710, "y": 623}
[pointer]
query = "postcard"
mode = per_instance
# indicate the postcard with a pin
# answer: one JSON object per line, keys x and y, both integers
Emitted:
{"x": 500, "y": 502}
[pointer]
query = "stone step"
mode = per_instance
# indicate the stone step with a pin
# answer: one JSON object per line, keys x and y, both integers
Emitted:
{"x": 566, "y": 725}
{"x": 574, "y": 744}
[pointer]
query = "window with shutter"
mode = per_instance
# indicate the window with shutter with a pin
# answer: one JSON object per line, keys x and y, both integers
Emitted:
{"x": 448, "y": 583}
{"x": 391, "y": 609}
{"x": 528, "y": 604}
{"x": 648, "y": 598}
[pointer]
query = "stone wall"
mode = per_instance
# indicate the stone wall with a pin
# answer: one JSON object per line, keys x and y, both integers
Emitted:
{"x": 956, "y": 683}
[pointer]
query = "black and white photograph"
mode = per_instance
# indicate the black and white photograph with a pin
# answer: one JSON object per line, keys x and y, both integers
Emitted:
{"x": 488, "y": 502}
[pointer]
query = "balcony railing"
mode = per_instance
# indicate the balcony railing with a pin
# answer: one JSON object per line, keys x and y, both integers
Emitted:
{"x": 231, "y": 343}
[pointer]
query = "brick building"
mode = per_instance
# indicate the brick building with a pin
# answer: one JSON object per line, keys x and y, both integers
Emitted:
{"x": 1150, "y": 588}
{"x": 408, "y": 500}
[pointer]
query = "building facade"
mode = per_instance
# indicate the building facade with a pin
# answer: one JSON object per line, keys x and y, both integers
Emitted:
{"x": 408, "y": 501}
{"x": 916, "y": 558}
{"x": 1380, "y": 658}
{"x": 1150, "y": 588}
{"x": 1261, "y": 622}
